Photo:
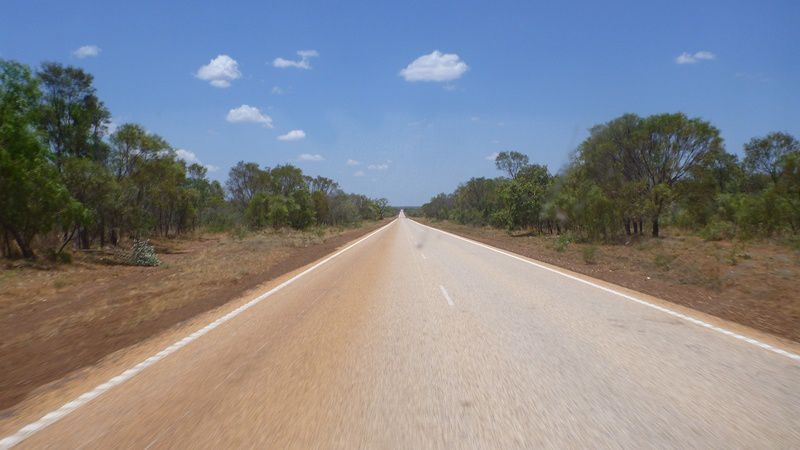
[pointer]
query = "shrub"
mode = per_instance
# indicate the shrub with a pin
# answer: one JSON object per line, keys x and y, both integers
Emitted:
{"x": 563, "y": 241}
{"x": 64, "y": 257}
{"x": 143, "y": 254}
{"x": 664, "y": 261}
{"x": 589, "y": 254}
{"x": 238, "y": 233}
{"x": 717, "y": 230}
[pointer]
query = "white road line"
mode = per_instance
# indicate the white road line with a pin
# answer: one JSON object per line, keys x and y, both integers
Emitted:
{"x": 701, "y": 323}
{"x": 54, "y": 416}
{"x": 446, "y": 296}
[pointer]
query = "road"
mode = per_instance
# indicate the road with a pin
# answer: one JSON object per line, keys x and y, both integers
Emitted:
{"x": 413, "y": 338}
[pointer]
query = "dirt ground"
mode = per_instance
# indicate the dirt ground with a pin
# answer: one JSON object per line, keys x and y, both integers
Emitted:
{"x": 55, "y": 320}
{"x": 756, "y": 284}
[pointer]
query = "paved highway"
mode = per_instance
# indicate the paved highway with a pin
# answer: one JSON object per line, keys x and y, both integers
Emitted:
{"x": 412, "y": 338}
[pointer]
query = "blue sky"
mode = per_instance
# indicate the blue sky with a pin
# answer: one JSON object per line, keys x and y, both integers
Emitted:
{"x": 527, "y": 76}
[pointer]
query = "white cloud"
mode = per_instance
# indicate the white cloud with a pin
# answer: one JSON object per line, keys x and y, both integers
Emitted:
{"x": 294, "y": 135}
{"x": 689, "y": 58}
{"x": 276, "y": 90}
{"x": 303, "y": 63}
{"x": 359, "y": 173}
{"x": 310, "y": 157}
{"x": 86, "y": 51}
{"x": 378, "y": 166}
{"x": 437, "y": 66}
{"x": 353, "y": 162}
{"x": 187, "y": 156}
{"x": 220, "y": 71}
{"x": 220, "y": 83}
{"x": 251, "y": 114}
{"x": 492, "y": 156}
{"x": 191, "y": 158}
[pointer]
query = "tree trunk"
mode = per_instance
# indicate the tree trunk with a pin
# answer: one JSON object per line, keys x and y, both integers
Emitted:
{"x": 24, "y": 245}
{"x": 84, "y": 238}
{"x": 627, "y": 227}
{"x": 635, "y": 227}
{"x": 102, "y": 233}
{"x": 66, "y": 240}
{"x": 6, "y": 244}
{"x": 655, "y": 226}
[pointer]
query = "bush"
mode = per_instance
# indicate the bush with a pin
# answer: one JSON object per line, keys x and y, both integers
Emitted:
{"x": 717, "y": 230}
{"x": 143, "y": 254}
{"x": 238, "y": 233}
{"x": 563, "y": 241}
{"x": 589, "y": 254}
{"x": 664, "y": 261}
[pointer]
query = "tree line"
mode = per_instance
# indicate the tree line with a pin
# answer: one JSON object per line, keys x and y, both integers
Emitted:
{"x": 633, "y": 174}
{"x": 66, "y": 180}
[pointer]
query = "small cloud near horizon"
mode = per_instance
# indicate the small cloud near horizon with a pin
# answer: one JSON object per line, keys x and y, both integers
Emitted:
{"x": 191, "y": 158}
{"x": 86, "y": 51}
{"x": 294, "y": 135}
{"x": 692, "y": 58}
{"x": 303, "y": 63}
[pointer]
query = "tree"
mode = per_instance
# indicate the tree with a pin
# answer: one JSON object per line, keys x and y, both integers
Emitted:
{"x": 671, "y": 145}
{"x": 73, "y": 118}
{"x": 33, "y": 197}
{"x": 524, "y": 196}
{"x": 511, "y": 162}
{"x": 381, "y": 204}
{"x": 324, "y": 185}
{"x": 609, "y": 159}
{"x": 244, "y": 181}
{"x": 766, "y": 155}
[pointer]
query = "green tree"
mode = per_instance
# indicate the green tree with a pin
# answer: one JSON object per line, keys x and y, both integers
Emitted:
{"x": 766, "y": 155}
{"x": 524, "y": 197}
{"x": 244, "y": 181}
{"x": 671, "y": 146}
{"x": 33, "y": 197}
{"x": 73, "y": 118}
{"x": 381, "y": 204}
{"x": 511, "y": 162}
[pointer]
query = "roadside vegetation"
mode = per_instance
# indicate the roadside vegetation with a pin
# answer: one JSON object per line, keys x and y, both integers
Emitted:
{"x": 631, "y": 177}
{"x": 70, "y": 182}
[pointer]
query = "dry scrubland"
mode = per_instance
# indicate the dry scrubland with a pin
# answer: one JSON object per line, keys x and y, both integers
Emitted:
{"x": 754, "y": 283}
{"x": 56, "y": 319}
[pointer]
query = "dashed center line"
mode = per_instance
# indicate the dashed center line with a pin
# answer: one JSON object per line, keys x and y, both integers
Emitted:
{"x": 446, "y": 296}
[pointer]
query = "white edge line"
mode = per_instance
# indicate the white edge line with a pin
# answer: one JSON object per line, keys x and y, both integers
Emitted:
{"x": 54, "y": 416}
{"x": 701, "y": 323}
{"x": 446, "y": 296}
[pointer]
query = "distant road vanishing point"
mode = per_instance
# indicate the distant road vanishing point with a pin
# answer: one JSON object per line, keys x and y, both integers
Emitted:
{"x": 415, "y": 338}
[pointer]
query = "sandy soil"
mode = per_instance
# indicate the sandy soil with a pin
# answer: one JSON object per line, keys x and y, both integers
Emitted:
{"x": 55, "y": 320}
{"x": 756, "y": 284}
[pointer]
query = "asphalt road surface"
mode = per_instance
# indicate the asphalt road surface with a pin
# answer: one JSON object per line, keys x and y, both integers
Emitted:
{"x": 413, "y": 338}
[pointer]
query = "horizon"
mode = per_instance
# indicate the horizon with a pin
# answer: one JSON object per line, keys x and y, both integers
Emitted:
{"x": 382, "y": 97}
